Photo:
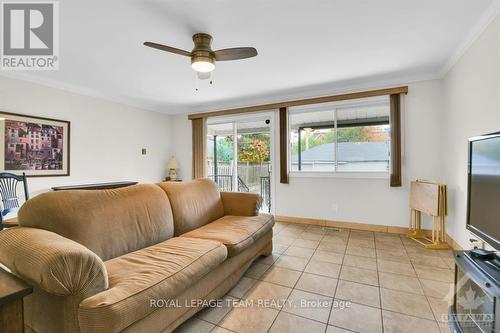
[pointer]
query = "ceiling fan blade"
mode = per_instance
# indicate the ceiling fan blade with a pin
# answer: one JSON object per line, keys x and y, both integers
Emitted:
{"x": 235, "y": 53}
{"x": 167, "y": 48}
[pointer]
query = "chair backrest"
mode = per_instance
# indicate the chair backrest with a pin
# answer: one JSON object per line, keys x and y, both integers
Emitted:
{"x": 8, "y": 192}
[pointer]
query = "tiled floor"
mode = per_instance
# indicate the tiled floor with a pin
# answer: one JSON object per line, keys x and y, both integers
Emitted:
{"x": 329, "y": 280}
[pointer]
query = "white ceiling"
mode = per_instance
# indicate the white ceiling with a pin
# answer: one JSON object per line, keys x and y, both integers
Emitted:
{"x": 306, "y": 48}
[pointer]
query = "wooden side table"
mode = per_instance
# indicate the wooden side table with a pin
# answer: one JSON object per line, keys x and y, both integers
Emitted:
{"x": 12, "y": 291}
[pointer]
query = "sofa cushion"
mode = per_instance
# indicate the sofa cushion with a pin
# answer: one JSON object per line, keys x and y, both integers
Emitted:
{"x": 159, "y": 272}
{"x": 108, "y": 222}
{"x": 194, "y": 203}
{"x": 235, "y": 232}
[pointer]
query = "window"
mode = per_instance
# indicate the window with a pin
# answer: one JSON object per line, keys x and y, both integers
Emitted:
{"x": 352, "y": 137}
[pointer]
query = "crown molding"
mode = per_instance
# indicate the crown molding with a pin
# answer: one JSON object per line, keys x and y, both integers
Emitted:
{"x": 82, "y": 91}
{"x": 486, "y": 19}
{"x": 333, "y": 88}
{"x": 295, "y": 93}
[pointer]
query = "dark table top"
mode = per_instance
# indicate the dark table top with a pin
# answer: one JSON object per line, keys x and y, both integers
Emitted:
{"x": 97, "y": 186}
{"x": 12, "y": 288}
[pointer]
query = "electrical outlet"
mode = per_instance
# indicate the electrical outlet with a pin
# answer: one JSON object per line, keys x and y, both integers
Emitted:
{"x": 144, "y": 151}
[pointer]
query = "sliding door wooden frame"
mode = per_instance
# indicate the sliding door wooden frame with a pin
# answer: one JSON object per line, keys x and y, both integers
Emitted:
{"x": 199, "y": 128}
{"x": 283, "y": 130}
{"x": 199, "y": 136}
{"x": 307, "y": 101}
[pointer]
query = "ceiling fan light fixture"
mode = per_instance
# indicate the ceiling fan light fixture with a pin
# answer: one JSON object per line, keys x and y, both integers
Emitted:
{"x": 202, "y": 64}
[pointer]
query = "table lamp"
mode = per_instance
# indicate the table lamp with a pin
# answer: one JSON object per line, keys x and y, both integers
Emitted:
{"x": 172, "y": 168}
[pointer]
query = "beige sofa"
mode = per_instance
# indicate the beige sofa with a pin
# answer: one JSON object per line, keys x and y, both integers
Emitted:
{"x": 99, "y": 261}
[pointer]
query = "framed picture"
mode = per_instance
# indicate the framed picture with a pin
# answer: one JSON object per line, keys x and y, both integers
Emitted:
{"x": 36, "y": 146}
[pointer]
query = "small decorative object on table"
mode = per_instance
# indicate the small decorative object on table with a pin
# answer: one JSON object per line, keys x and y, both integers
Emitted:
{"x": 12, "y": 291}
{"x": 431, "y": 198}
{"x": 172, "y": 168}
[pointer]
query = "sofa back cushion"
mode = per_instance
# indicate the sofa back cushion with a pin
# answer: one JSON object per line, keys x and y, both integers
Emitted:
{"x": 194, "y": 203}
{"x": 108, "y": 222}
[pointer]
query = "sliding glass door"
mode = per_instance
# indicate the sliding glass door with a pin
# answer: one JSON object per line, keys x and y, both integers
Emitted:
{"x": 239, "y": 155}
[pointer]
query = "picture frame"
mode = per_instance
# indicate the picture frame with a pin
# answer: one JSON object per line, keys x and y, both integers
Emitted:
{"x": 36, "y": 146}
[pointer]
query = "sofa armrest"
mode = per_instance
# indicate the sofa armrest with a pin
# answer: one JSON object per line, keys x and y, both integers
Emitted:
{"x": 51, "y": 262}
{"x": 241, "y": 203}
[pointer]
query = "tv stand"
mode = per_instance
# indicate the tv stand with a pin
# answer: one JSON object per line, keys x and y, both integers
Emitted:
{"x": 476, "y": 299}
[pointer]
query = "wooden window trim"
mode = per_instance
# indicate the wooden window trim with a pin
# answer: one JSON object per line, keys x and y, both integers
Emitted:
{"x": 395, "y": 123}
{"x": 307, "y": 101}
{"x": 199, "y": 129}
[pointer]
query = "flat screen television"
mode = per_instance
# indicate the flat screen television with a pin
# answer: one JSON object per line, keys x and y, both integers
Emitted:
{"x": 483, "y": 204}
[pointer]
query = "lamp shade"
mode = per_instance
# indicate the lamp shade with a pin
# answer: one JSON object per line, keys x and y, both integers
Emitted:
{"x": 172, "y": 163}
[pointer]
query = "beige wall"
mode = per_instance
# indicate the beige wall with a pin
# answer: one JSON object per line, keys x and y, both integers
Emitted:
{"x": 355, "y": 199}
{"x": 471, "y": 107}
{"x": 106, "y": 137}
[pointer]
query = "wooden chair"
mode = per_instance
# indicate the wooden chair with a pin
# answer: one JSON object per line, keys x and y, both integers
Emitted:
{"x": 9, "y": 198}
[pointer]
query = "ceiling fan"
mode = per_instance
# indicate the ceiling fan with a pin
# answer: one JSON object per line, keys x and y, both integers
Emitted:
{"x": 202, "y": 56}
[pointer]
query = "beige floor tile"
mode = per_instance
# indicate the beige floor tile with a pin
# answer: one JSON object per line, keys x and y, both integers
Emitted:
{"x": 334, "y": 329}
{"x": 358, "y": 293}
{"x": 370, "y": 243}
{"x": 219, "y": 329}
{"x": 410, "y": 304}
{"x": 434, "y": 273}
{"x": 389, "y": 246}
{"x": 360, "y": 262}
{"x": 297, "y": 226}
{"x": 215, "y": 314}
{"x": 242, "y": 287}
{"x": 397, "y": 256}
{"x": 195, "y": 325}
{"x": 415, "y": 250}
{"x": 283, "y": 240}
{"x": 359, "y": 275}
{"x": 268, "y": 294}
{"x": 437, "y": 289}
{"x": 331, "y": 257}
{"x": 360, "y": 251}
{"x": 361, "y": 234}
{"x": 428, "y": 261}
{"x": 289, "y": 323}
{"x": 289, "y": 262}
{"x": 358, "y": 318}
{"x": 395, "y": 267}
{"x": 279, "y": 249}
{"x": 399, "y": 282}
{"x": 282, "y": 276}
{"x": 450, "y": 262}
{"x": 300, "y": 252}
{"x": 251, "y": 319}
{"x": 309, "y": 244}
{"x": 269, "y": 260}
{"x": 399, "y": 323}
{"x": 310, "y": 236}
{"x": 256, "y": 270}
{"x": 336, "y": 238}
{"x": 308, "y": 305}
{"x": 293, "y": 233}
{"x": 317, "y": 284}
{"x": 332, "y": 247}
{"x": 316, "y": 229}
{"x": 440, "y": 308}
{"x": 323, "y": 268}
